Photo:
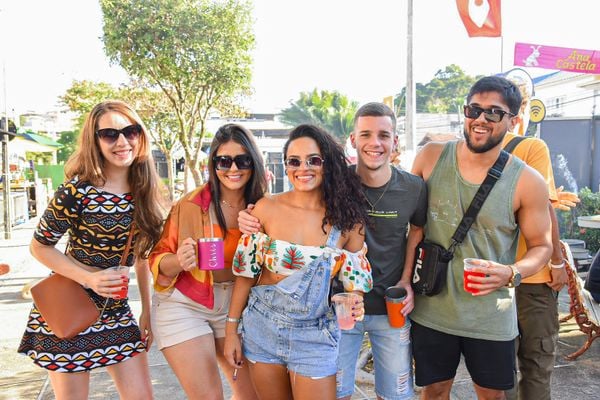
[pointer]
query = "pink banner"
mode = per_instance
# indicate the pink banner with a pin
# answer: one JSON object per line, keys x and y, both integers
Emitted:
{"x": 562, "y": 58}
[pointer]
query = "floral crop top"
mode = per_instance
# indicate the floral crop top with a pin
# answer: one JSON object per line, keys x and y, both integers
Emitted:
{"x": 258, "y": 250}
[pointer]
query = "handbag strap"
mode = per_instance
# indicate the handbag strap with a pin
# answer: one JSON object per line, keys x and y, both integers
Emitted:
{"x": 494, "y": 173}
{"x": 128, "y": 245}
{"x": 124, "y": 256}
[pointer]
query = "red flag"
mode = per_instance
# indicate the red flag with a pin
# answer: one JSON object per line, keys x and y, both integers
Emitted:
{"x": 481, "y": 17}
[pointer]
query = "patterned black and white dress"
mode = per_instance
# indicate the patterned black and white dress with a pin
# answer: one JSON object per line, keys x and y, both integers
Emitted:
{"x": 98, "y": 226}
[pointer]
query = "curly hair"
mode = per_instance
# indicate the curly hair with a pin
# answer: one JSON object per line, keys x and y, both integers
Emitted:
{"x": 341, "y": 188}
{"x": 87, "y": 163}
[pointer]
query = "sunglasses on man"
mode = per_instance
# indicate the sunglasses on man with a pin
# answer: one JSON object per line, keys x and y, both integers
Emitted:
{"x": 110, "y": 135}
{"x": 490, "y": 115}
{"x": 311, "y": 162}
{"x": 242, "y": 161}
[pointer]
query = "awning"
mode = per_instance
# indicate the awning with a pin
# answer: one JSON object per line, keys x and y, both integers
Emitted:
{"x": 32, "y": 142}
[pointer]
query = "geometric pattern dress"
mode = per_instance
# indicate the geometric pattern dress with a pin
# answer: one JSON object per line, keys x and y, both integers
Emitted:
{"x": 98, "y": 225}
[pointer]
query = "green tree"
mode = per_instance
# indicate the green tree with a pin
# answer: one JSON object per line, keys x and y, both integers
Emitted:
{"x": 196, "y": 51}
{"x": 82, "y": 96}
{"x": 331, "y": 110}
{"x": 156, "y": 111}
{"x": 68, "y": 139}
{"x": 445, "y": 93}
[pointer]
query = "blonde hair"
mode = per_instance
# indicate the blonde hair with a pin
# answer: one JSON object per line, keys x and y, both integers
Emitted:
{"x": 146, "y": 187}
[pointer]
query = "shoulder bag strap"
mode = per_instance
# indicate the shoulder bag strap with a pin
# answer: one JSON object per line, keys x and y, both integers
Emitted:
{"x": 484, "y": 190}
{"x": 510, "y": 147}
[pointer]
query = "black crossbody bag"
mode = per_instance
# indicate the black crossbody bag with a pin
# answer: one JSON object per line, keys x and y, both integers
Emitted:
{"x": 431, "y": 261}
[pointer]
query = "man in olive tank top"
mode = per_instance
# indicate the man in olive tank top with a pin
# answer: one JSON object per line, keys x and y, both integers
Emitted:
{"x": 481, "y": 326}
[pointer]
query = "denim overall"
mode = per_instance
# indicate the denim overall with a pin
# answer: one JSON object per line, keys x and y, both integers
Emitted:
{"x": 292, "y": 323}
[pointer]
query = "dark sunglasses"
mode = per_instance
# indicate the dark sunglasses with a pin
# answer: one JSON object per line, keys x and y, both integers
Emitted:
{"x": 490, "y": 115}
{"x": 243, "y": 161}
{"x": 312, "y": 161}
{"x": 110, "y": 135}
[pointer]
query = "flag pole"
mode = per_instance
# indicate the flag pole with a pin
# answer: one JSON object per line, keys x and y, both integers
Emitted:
{"x": 410, "y": 117}
{"x": 502, "y": 53}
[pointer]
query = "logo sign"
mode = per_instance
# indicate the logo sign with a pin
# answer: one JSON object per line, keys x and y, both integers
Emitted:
{"x": 537, "y": 111}
{"x": 419, "y": 265}
{"x": 562, "y": 58}
{"x": 480, "y": 17}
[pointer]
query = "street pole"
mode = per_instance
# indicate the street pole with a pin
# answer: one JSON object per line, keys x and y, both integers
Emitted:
{"x": 5, "y": 168}
{"x": 411, "y": 115}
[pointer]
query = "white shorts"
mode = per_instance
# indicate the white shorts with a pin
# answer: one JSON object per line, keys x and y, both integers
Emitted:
{"x": 176, "y": 318}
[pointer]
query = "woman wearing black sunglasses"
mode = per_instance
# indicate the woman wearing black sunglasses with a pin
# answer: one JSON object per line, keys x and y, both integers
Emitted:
{"x": 310, "y": 234}
{"x": 190, "y": 305}
{"x": 111, "y": 186}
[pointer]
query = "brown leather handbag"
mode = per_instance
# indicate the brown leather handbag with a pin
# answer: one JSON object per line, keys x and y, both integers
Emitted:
{"x": 65, "y": 305}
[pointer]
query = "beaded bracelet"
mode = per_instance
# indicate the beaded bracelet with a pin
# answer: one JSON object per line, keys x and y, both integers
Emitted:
{"x": 233, "y": 320}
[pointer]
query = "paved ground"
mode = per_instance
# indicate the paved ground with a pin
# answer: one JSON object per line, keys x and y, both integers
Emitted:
{"x": 20, "y": 379}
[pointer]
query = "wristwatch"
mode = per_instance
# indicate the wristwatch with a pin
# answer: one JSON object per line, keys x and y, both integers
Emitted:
{"x": 515, "y": 279}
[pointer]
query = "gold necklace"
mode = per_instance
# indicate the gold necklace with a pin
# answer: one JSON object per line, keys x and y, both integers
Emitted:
{"x": 231, "y": 206}
{"x": 380, "y": 197}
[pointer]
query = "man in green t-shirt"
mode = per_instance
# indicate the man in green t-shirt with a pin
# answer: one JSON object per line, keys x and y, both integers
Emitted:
{"x": 480, "y": 326}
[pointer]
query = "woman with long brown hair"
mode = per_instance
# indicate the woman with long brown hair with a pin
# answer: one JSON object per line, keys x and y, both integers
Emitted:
{"x": 190, "y": 303}
{"x": 112, "y": 191}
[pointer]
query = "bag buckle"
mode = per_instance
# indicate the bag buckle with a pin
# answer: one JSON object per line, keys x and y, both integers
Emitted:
{"x": 495, "y": 172}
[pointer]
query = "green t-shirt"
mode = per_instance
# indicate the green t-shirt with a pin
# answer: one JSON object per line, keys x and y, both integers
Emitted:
{"x": 493, "y": 236}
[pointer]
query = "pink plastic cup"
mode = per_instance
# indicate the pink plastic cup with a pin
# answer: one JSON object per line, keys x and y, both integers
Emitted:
{"x": 343, "y": 303}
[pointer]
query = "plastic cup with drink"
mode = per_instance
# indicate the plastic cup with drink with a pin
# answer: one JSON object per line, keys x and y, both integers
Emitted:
{"x": 124, "y": 286}
{"x": 343, "y": 303}
{"x": 394, "y": 296}
{"x": 469, "y": 264}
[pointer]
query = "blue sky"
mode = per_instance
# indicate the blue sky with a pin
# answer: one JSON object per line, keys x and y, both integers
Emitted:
{"x": 354, "y": 46}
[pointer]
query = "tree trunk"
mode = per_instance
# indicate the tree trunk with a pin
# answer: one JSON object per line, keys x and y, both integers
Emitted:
{"x": 198, "y": 179}
{"x": 186, "y": 174}
{"x": 170, "y": 175}
{"x": 192, "y": 167}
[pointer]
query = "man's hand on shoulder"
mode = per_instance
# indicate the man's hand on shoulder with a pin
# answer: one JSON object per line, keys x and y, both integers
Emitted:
{"x": 248, "y": 223}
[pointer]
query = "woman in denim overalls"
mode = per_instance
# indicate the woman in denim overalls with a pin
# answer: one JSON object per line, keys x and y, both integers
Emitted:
{"x": 310, "y": 234}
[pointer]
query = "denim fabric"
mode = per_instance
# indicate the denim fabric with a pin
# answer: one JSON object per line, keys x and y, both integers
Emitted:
{"x": 391, "y": 357}
{"x": 292, "y": 324}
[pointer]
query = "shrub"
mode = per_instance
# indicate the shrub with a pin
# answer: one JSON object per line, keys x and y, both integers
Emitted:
{"x": 589, "y": 205}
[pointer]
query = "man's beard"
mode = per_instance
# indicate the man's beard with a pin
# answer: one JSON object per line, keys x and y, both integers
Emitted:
{"x": 487, "y": 146}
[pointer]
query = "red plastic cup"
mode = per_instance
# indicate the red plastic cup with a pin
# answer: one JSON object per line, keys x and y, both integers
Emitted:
{"x": 343, "y": 303}
{"x": 123, "y": 287}
{"x": 469, "y": 264}
{"x": 394, "y": 296}
{"x": 211, "y": 254}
